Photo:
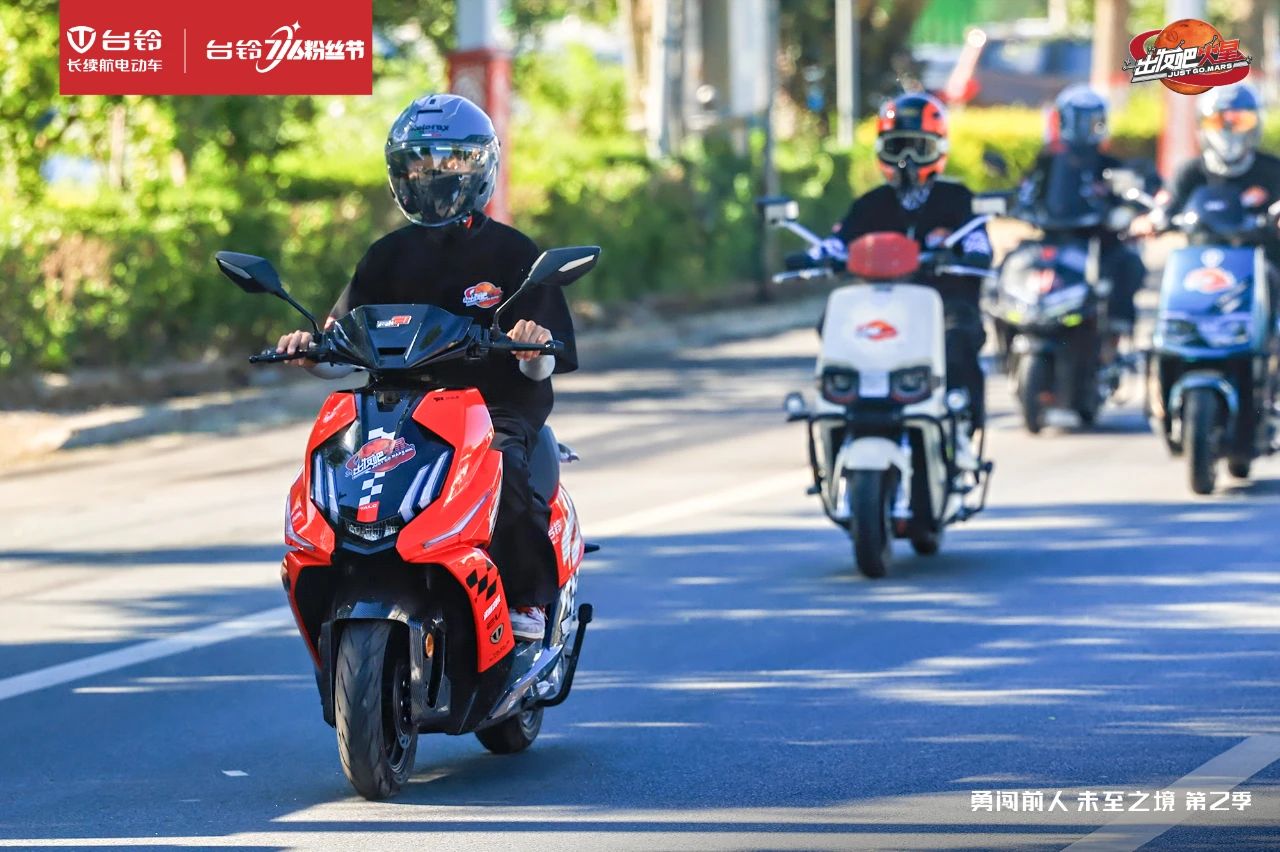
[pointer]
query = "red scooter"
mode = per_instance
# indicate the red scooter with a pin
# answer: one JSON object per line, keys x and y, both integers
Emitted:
{"x": 388, "y": 526}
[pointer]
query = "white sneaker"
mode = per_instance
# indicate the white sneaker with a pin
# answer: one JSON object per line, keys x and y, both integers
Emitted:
{"x": 528, "y": 623}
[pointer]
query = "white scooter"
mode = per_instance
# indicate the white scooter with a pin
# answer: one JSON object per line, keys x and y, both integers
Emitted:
{"x": 888, "y": 443}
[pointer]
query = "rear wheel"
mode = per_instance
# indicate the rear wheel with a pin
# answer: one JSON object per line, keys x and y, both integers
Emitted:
{"x": 377, "y": 740}
{"x": 1035, "y": 375}
{"x": 515, "y": 734}
{"x": 1200, "y": 418}
{"x": 873, "y": 493}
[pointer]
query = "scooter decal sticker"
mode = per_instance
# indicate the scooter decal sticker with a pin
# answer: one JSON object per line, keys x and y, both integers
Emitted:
{"x": 1209, "y": 280}
{"x": 379, "y": 455}
{"x": 1254, "y": 196}
{"x": 876, "y": 330}
{"x": 367, "y": 513}
{"x": 496, "y": 636}
{"x": 482, "y": 295}
{"x": 395, "y": 322}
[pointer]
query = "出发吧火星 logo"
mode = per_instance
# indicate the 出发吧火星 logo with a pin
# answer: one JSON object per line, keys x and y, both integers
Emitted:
{"x": 1188, "y": 56}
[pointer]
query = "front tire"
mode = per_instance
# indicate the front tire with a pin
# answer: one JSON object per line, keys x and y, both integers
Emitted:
{"x": 377, "y": 741}
{"x": 1035, "y": 376}
{"x": 1200, "y": 416}
{"x": 872, "y": 529}
{"x": 514, "y": 734}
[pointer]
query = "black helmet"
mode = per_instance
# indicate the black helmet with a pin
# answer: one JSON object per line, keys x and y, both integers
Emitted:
{"x": 442, "y": 160}
{"x": 1230, "y": 129}
{"x": 1082, "y": 117}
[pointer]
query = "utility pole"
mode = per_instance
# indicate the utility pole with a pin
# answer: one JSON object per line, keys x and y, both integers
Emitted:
{"x": 769, "y": 184}
{"x": 846, "y": 72}
{"x": 1178, "y": 138}
{"x": 1110, "y": 45}
{"x": 480, "y": 70}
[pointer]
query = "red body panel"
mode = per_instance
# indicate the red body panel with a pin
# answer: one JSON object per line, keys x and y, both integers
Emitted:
{"x": 883, "y": 256}
{"x": 566, "y": 536}
{"x": 461, "y": 518}
{"x": 473, "y": 569}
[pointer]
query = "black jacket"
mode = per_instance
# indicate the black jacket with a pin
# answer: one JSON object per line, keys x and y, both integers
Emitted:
{"x": 469, "y": 271}
{"x": 1264, "y": 174}
{"x": 948, "y": 206}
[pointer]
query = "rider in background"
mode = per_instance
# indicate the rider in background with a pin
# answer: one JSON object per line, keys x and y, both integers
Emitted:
{"x": 911, "y": 150}
{"x": 1230, "y": 130}
{"x": 1080, "y": 117}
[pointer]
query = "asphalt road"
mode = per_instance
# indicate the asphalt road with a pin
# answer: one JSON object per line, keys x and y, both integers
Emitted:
{"x": 1098, "y": 629}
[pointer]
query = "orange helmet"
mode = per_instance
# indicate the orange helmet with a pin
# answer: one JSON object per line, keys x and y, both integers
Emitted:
{"x": 911, "y": 140}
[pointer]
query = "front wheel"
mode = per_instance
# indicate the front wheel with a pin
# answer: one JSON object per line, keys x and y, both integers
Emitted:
{"x": 1034, "y": 384}
{"x": 377, "y": 740}
{"x": 514, "y": 734}
{"x": 872, "y": 524}
{"x": 1200, "y": 418}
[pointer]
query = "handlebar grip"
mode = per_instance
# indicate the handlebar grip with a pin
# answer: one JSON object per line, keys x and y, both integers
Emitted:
{"x": 551, "y": 347}
{"x": 271, "y": 356}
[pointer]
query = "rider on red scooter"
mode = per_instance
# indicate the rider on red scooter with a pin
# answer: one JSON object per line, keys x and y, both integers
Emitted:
{"x": 442, "y": 158}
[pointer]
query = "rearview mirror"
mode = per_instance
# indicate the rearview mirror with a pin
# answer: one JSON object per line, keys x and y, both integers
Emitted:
{"x": 563, "y": 266}
{"x": 994, "y": 163}
{"x": 251, "y": 273}
{"x": 990, "y": 205}
{"x": 254, "y": 274}
{"x": 777, "y": 209}
{"x": 1124, "y": 181}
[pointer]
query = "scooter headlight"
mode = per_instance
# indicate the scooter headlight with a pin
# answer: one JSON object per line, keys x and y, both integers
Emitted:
{"x": 1176, "y": 332}
{"x": 1227, "y": 331}
{"x": 839, "y": 386}
{"x": 912, "y": 384}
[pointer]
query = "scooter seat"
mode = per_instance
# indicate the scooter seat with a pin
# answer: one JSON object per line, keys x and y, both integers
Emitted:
{"x": 544, "y": 464}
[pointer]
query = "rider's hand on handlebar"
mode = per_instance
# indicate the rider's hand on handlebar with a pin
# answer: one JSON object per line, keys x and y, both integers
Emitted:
{"x": 298, "y": 341}
{"x": 528, "y": 331}
{"x": 1142, "y": 226}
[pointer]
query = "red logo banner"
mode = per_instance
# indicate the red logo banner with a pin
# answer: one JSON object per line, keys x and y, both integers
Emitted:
{"x": 233, "y": 47}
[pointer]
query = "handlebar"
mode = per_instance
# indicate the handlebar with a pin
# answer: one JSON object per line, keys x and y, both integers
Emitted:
{"x": 317, "y": 353}
{"x": 271, "y": 356}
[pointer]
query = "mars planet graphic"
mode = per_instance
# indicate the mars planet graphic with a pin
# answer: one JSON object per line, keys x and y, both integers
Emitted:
{"x": 1188, "y": 32}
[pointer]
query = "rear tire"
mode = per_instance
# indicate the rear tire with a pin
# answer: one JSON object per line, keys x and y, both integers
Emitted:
{"x": 514, "y": 734}
{"x": 1035, "y": 374}
{"x": 1200, "y": 416}
{"x": 376, "y": 738}
{"x": 872, "y": 492}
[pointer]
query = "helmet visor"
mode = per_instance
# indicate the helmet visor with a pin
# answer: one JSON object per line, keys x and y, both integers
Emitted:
{"x": 1231, "y": 120}
{"x": 904, "y": 145}
{"x": 439, "y": 182}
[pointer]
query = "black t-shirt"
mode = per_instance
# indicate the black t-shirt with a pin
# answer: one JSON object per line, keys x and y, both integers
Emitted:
{"x": 1264, "y": 174}
{"x": 948, "y": 206}
{"x": 468, "y": 272}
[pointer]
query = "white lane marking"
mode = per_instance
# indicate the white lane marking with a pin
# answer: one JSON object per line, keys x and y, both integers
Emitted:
{"x": 235, "y": 773}
{"x": 143, "y": 652}
{"x": 1131, "y": 831}
{"x": 681, "y": 509}
{"x": 281, "y": 616}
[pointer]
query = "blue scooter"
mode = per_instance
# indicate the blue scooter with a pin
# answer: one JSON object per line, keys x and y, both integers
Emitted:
{"x": 1213, "y": 362}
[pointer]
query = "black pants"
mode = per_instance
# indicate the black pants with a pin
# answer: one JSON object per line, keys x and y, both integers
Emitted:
{"x": 965, "y": 337}
{"x": 1124, "y": 267}
{"x": 521, "y": 547}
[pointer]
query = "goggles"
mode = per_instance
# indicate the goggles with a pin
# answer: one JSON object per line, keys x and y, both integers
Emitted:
{"x": 1231, "y": 120}
{"x": 918, "y": 147}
